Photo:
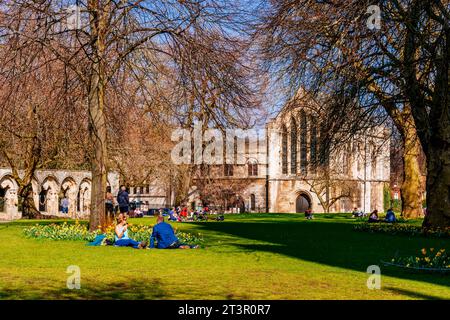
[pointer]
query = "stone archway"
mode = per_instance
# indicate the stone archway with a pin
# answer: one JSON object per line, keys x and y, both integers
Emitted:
{"x": 49, "y": 196}
{"x": 69, "y": 189}
{"x": 8, "y": 198}
{"x": 252, "y": 202}
{"x": 302, "y": 202}
{"x": 84, "y": 198}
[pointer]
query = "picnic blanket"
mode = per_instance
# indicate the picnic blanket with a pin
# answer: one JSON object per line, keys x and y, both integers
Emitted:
{"x": 97, "y": 241}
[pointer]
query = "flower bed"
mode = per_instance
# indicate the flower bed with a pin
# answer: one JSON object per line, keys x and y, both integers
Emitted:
{"x": 430, "y": 260}
{"x": 80, "y": 232}
{"x": 403, "y": 228}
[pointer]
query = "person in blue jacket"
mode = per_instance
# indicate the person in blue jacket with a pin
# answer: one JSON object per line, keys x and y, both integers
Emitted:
{"x": 390, "y": 216}
{"x": 165, "y": 237}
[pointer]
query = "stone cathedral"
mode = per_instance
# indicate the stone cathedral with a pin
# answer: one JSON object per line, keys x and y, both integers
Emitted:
{"x": 282, "y": 176}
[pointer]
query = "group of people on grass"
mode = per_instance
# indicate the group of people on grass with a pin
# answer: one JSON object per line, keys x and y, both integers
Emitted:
{"x": 163, "y": 235}
{"x": 173, "y": 214}
{"x": 373, "y": 217}
{"x": 183, "y": 214}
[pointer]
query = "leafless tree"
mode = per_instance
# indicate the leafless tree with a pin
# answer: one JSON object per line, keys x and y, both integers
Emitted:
{"x": 39, "y": 116}
{"x": 399, "y": 70}
{"x": 197, "y": 40}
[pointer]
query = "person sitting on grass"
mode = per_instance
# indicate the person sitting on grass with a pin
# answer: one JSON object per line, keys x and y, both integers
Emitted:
{"x": 357, "y": 213}
{"x": 165, "y": 237}
{"x": 172, "y": 215}
{"x": 121, "y": 235}
{"x": 390, "y": 216}
{"x": 374, "y": 216}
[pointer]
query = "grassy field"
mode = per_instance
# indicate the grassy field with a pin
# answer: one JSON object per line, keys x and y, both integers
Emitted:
{"x": 259, "y": 256}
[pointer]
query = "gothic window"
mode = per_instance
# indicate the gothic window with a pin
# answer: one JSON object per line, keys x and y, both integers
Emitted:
{"x": 293, "y": 146}
{"x": 252, "y": 168}
{"x": 247, "y": 145}
{"x": 374, "y": 165}
{"x": 346, "y": 161}
{"x": 357, "y": 151}
{"x": 313, "y": 146}
{"x": 235, "y": 146}
{"x": 303, "y": 143}
{"x": 228, "y": 170}
{"x": 284, "y": 150}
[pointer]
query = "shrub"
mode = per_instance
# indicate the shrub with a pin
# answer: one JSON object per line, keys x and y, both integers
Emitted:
{"x": 80, "y": 232}
{"x": 428, "y": 259}
{"x": 401, "y": 228}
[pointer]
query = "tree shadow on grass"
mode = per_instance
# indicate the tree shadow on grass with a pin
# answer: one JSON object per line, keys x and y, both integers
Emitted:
{"x": 331, "y": 243}
{"x": 411, "y": 294}
{"x": 135, "y": 289}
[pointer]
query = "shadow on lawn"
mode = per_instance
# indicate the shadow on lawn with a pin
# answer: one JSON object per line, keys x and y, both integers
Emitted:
{"x": 135, "y": 289}
{"x": 411, "y": 294}
{"x": 331, "y": 243}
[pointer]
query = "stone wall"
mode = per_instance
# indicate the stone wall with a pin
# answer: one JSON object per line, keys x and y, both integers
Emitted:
{"x": 48, "y": 188}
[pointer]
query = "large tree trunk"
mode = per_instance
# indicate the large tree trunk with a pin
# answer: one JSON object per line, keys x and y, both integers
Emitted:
{"x": 411, "y": 189}
{"x": 438, "y": 185}
{"x": 431, "y": 111}
{"x": 29, "y": 210}
{"x": 97, "y": 119}
{"x": 98, "y": 160}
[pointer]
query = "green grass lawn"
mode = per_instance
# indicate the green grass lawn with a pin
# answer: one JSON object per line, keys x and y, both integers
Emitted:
{"x": 259, "y": 256}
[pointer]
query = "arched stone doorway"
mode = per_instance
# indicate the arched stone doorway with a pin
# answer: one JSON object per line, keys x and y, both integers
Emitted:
{"x": 49, "y": 196}
{"x": 252, "y": 202}
{"x": 69, "y": 189}
{"x": 2, "y": 199}
{"x": 84, "y": 198}
{"x": 8, "y": 198}
{"x": 302, "y": 203}
{"x": 43, "y": 201}
{"x": 240, "y": 204}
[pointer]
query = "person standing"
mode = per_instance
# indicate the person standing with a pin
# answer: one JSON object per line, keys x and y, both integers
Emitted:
{"x": 123, "y": 200}
{"x": 65, "y": 205}
{"x": 109, "y": 205}
{"x": 309, "y": 214}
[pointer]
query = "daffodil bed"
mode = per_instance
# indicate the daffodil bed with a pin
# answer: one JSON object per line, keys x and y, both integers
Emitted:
{"x": 402, "y": 229}
{"x": 79, "y": 231}
{"x": 430, "y": 260}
